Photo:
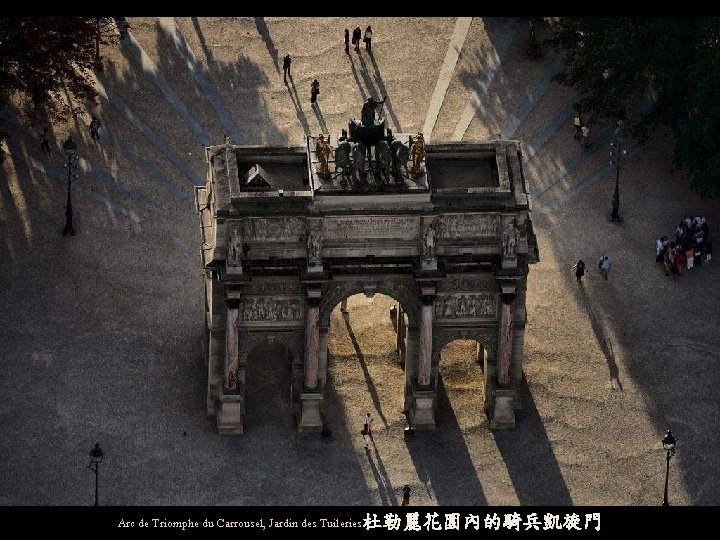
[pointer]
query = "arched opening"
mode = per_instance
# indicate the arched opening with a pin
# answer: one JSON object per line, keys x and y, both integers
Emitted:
{"x": 268, "y": 376}
{"x": 461, "y": 393}
{"x": 364, "y": 373}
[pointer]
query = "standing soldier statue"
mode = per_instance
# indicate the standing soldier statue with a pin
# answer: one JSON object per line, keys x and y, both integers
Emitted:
{"x": 322, "y": 151}
{"x": 417, "y": 152}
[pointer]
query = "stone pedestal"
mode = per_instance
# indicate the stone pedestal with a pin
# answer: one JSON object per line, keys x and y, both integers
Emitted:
{"x": 310, "y": 419}
{"x": 421, "y": 414}
{"x": 230, "y": 415}
{"x": 503, "y": 409}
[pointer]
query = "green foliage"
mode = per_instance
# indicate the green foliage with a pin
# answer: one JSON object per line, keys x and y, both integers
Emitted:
{"x": 672, "y": 62}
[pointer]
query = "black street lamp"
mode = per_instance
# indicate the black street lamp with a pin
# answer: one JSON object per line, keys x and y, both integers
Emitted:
{"x": 96, "y": 456}
{"x": 617, "y": 154}
{"x": 668, "y": 443}
{"x": 70, "y": 149}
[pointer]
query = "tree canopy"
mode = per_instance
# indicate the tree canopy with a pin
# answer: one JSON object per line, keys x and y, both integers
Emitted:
{"x": 671, "y": 63}
{"x": 47, "y": 60}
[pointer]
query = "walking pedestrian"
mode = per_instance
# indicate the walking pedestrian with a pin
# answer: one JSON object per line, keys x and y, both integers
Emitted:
{"x": 369, "y": 423}
{"x": 347, "y": 41}
{"x": 286, "y": 67}
{"x": 357, "y": 34}
{"x": 95, "y": 125}
{"x": 579, "y": 270}
{"x": 45, "y": 141}
{"x": 578, "y": 126}
{"x": 406, "y": 495}
{"x": 604, "y": 264}
{"x": 314, "y": 91}
{"x": 585, "y": 143}
{"x": 366, "y": 435}
{"x": 368, "y": 38}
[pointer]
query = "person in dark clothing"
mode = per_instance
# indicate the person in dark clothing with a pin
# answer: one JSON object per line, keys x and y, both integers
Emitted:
{"x": 95, "y": 126}
{"x": 579, "y": 270}
{"x": 286, "y": 67}
{"x": 357, "y": 35}
{"x": 314, "y": 91}
{"x": 45, "y": 141}
{"x": 347, "y": 41}
{"x": 406, "y": 495}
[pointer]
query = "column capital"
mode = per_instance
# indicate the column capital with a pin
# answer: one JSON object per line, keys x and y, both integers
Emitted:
{"x": 312, "y": 302}
{"x": 428, "y": 299}
{"x": 232, "y": 303}
{"x": 508, "y": 298}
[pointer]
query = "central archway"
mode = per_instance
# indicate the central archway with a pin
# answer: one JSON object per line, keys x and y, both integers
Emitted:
{"x": 363, "y": 370}
{"x": 461, "y": 394}
{"x": 268, "y": 382}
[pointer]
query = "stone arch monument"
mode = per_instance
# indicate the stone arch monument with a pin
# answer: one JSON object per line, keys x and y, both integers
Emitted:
{"x": 285, "y": 238}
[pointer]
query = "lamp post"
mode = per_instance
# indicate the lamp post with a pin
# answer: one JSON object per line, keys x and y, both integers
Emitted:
{"x": 668, "y": 443}
{"x": 96, "y": 456}
{"x": 70, "y": 149}
{"x": 617, "y": 154}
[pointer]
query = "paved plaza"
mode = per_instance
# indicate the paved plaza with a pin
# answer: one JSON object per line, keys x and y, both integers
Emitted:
{"x": 101, "y": 334}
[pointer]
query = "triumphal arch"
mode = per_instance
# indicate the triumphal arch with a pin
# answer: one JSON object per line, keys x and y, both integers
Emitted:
{"x": 289, "y": 232}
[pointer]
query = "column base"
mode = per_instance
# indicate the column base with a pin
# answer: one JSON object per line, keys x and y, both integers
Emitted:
{"x": 502, "y": 415}
{"x": 421, "y": 413}
{"x": 310, "y": 420}
{"x": 230, "y": 415}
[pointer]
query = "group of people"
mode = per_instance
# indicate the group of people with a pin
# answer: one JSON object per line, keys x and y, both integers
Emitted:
{"x": 692, "y": 244}
{"x": 604, "y": 265}
{"x": 356, "y": 36}
{"x": 582, "y": 131}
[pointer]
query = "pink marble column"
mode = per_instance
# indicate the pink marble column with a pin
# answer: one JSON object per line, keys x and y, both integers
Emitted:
{"x": 505, "y": 339}
{"x": 425, "y": 349}
{"x": 312, "y": 342}
{"x": 231, "y": 346}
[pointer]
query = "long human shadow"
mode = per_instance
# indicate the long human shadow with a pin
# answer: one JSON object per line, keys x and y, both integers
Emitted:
{"x": 366, "y": 373}
{"x": 382, "y": 490}
{"x": 529, "y": 458}
{"x": 442, "y": 460}
{"x": 382, "y": 473}
{"x": 265, "y": 34}
{"x": 363, "y": 91}
{"x": 298, "y": 106}
{"x": 383, "y": 90}
{"x": 603, "y": 341}
{"x": 320, "y": 118}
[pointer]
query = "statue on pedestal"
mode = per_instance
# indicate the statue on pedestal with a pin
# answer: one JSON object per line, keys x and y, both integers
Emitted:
{"x": 510, "y": 238}
{"x": 314, "y": 245}
{"x": 429, "y": 243}
{"x": 234, "y": 247}
{"x": 417, "y": 152}
{"x": 367, "y": 116}
{"x": 322, "y": 151}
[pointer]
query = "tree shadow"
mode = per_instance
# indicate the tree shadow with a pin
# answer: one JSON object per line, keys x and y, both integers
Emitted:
{"x": 442, "y": 460}
{"x": 528, "y": 455}
{"x": 366, "y": 373}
